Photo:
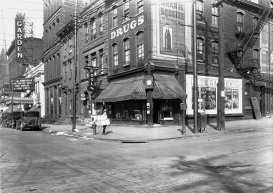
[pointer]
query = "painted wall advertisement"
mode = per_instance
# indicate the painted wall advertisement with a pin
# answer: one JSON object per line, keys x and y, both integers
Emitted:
{"x": 170, "y": 34}
{"x": 19, "y": 35}
{"x": 207, "y": 94}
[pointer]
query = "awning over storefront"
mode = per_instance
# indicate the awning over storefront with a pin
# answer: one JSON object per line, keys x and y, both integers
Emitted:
{"x": 166, "y": 86}
{"x": 126, "y": 89}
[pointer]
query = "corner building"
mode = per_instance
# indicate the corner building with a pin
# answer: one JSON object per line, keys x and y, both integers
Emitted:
{"x": 147, "y": 59}
{"x": 150, "y": 60}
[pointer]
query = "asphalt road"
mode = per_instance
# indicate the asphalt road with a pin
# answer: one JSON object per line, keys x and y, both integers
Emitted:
{"x": 33, "y": 161}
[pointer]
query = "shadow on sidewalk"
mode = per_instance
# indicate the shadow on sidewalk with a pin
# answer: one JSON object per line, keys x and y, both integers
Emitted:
{"x": 233, "y": 176}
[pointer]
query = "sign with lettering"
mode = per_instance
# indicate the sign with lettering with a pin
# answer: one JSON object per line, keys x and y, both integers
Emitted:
{"x": 22, "y": 85}
{"x": 19, "y": 35}
{"x": 127, "y": 27}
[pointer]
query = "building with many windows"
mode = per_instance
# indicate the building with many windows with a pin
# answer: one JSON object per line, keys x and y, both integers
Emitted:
{"x": 135, "y": 58}
{"x": 57, "y": 14}
{"x": 150, "y": 59}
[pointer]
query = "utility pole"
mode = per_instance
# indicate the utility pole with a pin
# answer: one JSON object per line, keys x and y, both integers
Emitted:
{"x": 269, "y": 65}
{"x": 221, "y": 81}
{"x": 74, "y": 89}
{"x": 195, "y": 78}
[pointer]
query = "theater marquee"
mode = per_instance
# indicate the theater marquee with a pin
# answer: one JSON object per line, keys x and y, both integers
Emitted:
{"x": 19, "y": 36}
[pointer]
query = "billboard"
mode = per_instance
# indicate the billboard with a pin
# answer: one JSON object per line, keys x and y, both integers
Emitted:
{"x": 171, "y": 29}
{"x": 207, "y": 94}
{"x": 22, "y": 85}
{"x": 19, "y": 36}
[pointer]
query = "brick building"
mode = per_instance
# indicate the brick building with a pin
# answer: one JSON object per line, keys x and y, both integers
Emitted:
{"x": 93, "y": 48}
{"x": 150, "y": 43}
{"x": 57, "y": 14}
{"x": 144, "y": 49}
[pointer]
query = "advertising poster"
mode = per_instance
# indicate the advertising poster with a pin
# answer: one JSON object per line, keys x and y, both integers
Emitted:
{"x": 207, "y": 95}
{"x": 171, "y": 31}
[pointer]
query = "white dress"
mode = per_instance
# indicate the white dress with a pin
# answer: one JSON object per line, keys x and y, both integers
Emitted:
{"x": 102, "y": 120}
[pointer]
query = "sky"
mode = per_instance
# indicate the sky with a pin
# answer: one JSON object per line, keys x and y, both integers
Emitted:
{"x": 33, "y": 10}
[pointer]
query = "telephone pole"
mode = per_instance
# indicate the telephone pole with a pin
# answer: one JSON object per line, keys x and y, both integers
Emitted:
{"x": 195, "y": 79}
{"x": 74, "y": 89}
{"x": 221, "y": 81}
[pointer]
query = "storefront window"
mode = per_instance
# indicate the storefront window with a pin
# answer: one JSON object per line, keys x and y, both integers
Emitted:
{"x": 167, "y": 111}
{"x": 207, "y": 95}
{"x": 231, "y": 99}
{"x": 131, "y": 111}
{"x": 208, "y": 98}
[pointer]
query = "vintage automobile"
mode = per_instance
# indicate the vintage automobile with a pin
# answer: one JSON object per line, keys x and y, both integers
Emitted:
{"x": 29, "y": 120}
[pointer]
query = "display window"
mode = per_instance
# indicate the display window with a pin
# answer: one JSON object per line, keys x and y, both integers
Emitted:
{"x": 166, "y": 110}
{"x": 207, "y": 95}
{"x": 128, "y": 110}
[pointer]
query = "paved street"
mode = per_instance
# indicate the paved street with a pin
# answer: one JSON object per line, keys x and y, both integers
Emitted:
{"x": 34, "y": 161}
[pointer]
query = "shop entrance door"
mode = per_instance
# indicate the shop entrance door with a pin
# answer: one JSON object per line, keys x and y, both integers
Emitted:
{"x": 156, "y": 111}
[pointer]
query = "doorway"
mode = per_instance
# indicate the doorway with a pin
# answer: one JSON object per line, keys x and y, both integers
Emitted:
{"x": 156, "y": 111}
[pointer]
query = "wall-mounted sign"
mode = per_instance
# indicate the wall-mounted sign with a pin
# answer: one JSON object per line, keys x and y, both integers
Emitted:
{"x": 127, "y": 27}
{"x": 22, "y": 85}
{"x": 19, "y": 35}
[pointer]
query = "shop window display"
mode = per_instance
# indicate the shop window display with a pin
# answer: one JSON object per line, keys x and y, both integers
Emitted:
{"x": 208, "y": 98}
{"x": 207, "y": 95}
{"x": 128, "y": 111}
{"x": 232, "y": 99}
{"x": 166, "y": 111}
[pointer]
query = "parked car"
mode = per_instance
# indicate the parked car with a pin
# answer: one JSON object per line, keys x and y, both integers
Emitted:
{"x": 29, "y": 120}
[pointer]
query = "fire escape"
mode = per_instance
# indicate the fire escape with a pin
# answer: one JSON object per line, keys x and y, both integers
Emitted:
{"x": 264, "y": 14}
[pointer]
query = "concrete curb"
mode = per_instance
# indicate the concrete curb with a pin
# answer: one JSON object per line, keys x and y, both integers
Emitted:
{"x": 147, "y": 140}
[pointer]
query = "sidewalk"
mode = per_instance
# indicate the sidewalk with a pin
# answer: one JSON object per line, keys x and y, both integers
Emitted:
{"x": 143, "y": 133}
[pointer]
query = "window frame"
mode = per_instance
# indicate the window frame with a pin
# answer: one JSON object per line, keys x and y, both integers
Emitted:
{"x": 127, "y": 52}
{"x": 115, "y": 54}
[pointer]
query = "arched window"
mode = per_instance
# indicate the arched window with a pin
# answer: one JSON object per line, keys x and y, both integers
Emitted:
{"x": 215, "y": 52}
{"x": 239, "y": 21}
{"x": 140, "y": 46}
{"x": 200, "y": 48}
{"x": 115, "y": 54}
{"x": 126, "y": 47}
{"x": 100, "y": 22}
{"x": 200, "y": 45}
